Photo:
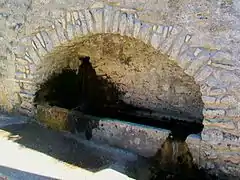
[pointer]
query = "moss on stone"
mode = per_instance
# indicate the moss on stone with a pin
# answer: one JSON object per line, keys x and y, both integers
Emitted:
{"x": 53, "y": 117}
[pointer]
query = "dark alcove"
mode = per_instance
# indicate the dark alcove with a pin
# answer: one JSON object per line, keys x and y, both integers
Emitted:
{"x": 83, "y": 90}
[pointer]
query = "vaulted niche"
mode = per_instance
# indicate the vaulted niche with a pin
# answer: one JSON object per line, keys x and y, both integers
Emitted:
{"x": 108, "y": 75}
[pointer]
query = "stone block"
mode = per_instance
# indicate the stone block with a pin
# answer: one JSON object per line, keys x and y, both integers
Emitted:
{"x": 47, "y": 40}
{"x": 177, "y": 45}
{"x": 213, "y": 113}
{"x": 53, "y": 117}
{"x": 26, "y": 96}
{"x": 108, "y": 18}
{"x": 222, "y": 124}
{"x": 60, "y": 31}
{"x": 226, "y": 76}
{"x": 203, "y": 73}
{"x": 230, "y": 157}
{"x": 70, "y": 31}
{"x": 137, "y": 26}
{"x": 83, "y": 22}
{"x": 40, "y": 40}
{"x": 172, "y": 40}
{"x": 26, "y": 105}
{"x": 53, "y": 37}
{"x": 115, "y": 23}
{"x": 198, "y": 62}
{"x": 155, "y": 40}
{"x": 123, "y": 23}
{"x": 142, "y": 140}
{"x": 145, "y": 32}
{"x": 20, "y": 68}
{"x": 187, "y": 38}
{"x": 20, "y": 75}
{"x": 98, "y": 19}
{"x": 208, "y": 99}
{"x": 130, "y": 24}
{"x": 21, "y": 61}
{"x": 222, "y": 57}
{"x": 233, "y": 114}
{"x": 215, "y": 91}
{"x": 211, "y": 81}
{"x": 228, "y": 101}
{"x": 212, "y": 135}
{"x": 91, "y": 24}
{"x": 186, "y": 57}
{"x": 28, "y": 87}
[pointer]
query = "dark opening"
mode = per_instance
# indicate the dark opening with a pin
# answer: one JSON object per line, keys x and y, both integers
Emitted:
{"x": 83, "y": 90}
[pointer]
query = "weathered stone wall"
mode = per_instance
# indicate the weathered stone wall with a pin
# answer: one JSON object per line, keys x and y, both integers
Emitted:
{"x": 201, "y": 36}
{"x": 145, "y": 77}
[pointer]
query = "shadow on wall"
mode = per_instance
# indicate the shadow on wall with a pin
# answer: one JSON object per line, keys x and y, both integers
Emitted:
{"x": 143, "y": 77}
{"x": 84, "y": 91}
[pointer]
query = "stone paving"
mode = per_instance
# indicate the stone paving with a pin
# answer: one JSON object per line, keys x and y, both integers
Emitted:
{"x": 29, "y": 151}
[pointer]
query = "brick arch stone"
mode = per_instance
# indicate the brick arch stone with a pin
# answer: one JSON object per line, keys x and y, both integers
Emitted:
{"x": 173, "y": 40}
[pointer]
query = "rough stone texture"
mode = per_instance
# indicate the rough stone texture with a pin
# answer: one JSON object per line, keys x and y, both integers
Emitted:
{"x": 161, "y": 85}
{"x": 218, "y": 153}
{"x": 55, "y": 118}
{"x": 205, "y": 47}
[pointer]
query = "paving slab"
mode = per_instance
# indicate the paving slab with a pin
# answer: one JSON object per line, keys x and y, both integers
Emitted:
{"x": 30, "y": 151}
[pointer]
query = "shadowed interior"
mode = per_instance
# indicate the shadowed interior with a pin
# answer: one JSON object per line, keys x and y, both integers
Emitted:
{"x": 83, "y": 90}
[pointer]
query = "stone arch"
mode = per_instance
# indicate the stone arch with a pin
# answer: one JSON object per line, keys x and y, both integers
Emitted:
{"x": 174, "y": 41}
{"x": 145, "y": 77}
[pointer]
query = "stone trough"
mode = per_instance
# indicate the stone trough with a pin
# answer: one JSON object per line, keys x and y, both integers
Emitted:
{"x": 146, "y": 141}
